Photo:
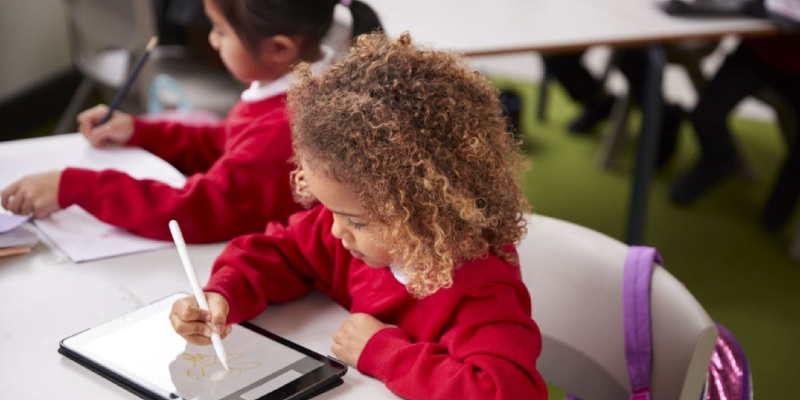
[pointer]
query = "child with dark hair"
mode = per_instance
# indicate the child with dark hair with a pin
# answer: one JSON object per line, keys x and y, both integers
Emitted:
{"x": 239, "y": 169}
{"x": 406, "y": 152}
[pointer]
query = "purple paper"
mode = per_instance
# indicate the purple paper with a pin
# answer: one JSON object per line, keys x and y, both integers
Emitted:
{"x": 9, "y": 222}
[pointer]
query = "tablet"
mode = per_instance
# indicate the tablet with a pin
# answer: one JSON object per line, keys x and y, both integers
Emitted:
{"x": 142, "y": 353}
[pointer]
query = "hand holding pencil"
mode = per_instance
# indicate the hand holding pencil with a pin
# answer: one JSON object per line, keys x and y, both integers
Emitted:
{"x": 195, "y": 324}
{"x": 215, "y": 319}
{"x": 103, "y": 125}
{"x": 117, "y": 131}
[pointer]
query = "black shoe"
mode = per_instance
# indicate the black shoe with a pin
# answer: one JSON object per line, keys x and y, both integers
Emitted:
{"x": 673, "y": 117}
{"x": 590, "y": 116}
{"x": 702, "y": 177}
{"x": 783, "y": 199}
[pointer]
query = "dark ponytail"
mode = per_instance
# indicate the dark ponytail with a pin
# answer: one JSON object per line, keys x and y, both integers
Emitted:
{"x": 365, "y": 20}
{"x": 255, "y": 19}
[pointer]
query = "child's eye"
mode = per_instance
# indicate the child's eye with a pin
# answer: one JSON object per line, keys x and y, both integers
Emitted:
{"x": 356, "y": 225}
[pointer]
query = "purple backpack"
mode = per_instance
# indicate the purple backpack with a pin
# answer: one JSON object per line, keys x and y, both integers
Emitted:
{"x": 728, "y": 372}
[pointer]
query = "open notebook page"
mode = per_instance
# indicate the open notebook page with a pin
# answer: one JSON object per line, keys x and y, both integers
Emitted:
{"x": 78, "y": 234}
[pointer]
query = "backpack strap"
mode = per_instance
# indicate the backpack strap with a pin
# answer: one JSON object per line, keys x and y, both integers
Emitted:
{"x": 636, "y": 282}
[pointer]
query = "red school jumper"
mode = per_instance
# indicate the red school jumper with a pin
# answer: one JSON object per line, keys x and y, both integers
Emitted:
{"x": 474, "y": 340}
{"x": 239, "y": 177}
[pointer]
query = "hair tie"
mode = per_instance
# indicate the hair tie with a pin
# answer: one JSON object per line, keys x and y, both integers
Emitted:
{"x": 346, "y": 3}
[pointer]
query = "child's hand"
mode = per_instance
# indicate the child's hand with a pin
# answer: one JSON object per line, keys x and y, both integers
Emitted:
{"x": 118, "y": 130}
{"x": 353, "y": 335}
{"x": 37, "y": 194}
{"x": 192, "y": 322}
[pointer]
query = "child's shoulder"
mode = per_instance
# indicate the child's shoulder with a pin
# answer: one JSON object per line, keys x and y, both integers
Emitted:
{"x": 260, "y": 128}
{"x": 488, "y": 270}
{"x": 317, "y": 219}
{"x": 486, "y": 280}
{"x": 309, "y": 229}
{"x": 255, "y": 114}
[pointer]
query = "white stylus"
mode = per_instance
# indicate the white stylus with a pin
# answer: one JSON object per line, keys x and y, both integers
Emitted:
{"x": 177, "y": 236}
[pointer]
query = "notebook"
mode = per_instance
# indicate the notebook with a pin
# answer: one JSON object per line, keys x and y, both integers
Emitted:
{"x": 18, "y": 240}
{"x": 77, "y": 233}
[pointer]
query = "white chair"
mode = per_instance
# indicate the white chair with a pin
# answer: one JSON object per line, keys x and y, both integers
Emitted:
{"x": 107, "y": 37}
{"x": 574, "y": 276}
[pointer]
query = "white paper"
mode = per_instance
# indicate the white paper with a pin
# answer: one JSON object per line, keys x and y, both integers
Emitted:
{"x": 83, "y": 237}
{"x": 78, "y": 234}
{"x": 20, "y": 236}
{"x": 11, "y": 221}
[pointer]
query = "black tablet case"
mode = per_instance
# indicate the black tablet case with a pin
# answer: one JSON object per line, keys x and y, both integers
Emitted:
{"x": 144, "y": 393}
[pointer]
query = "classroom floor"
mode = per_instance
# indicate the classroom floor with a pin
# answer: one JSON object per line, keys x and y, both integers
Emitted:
{"x": 742, "y": 275}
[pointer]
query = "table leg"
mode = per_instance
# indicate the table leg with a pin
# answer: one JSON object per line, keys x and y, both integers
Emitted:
{"x": 652, "y": 110}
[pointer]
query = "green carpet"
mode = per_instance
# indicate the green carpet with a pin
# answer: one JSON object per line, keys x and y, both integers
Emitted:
{"x": 742, "y": 275}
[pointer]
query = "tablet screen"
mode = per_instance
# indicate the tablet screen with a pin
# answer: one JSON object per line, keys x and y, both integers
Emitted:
{"x": 143, "y": 347}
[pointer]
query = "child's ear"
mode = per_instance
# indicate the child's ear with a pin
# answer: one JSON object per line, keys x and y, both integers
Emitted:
{"x": 279, "y": 50}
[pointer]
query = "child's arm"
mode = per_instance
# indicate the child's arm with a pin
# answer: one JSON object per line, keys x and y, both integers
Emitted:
{"x": 489, "y": 352}
{"x": 241, "y": 193}
{"x": 280, "y": 265}
{"x": 190, "y": 149}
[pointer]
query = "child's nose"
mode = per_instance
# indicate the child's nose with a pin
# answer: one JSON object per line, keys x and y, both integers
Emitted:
{"x": 336, "y": 230}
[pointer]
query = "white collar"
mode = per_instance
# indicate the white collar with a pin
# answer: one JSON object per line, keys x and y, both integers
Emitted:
{"x": 398, "y": 274}
{"x": 261, "y": 91}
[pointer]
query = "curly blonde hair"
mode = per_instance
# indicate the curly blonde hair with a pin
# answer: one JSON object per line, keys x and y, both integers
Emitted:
{"x": 422, "y": 142}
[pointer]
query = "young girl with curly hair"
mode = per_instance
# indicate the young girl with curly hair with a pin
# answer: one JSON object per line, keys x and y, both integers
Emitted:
{"x": 405, "y": 152}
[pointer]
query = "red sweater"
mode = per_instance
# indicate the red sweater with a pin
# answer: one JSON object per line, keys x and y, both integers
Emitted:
{"x": 239, "y": 177}
{"x": 475, "y": 340}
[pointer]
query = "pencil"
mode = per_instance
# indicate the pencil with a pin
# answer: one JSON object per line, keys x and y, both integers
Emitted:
{"x": 180, "y": 244}
{"x": 129, "y": 81}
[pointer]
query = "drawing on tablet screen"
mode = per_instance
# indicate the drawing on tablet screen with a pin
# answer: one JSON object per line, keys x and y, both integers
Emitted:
{"x": 207, "y": 368}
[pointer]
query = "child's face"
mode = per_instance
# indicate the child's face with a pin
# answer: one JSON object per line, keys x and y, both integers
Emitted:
{"x": 235, "y": 55}
{"x": 349, "y": 224}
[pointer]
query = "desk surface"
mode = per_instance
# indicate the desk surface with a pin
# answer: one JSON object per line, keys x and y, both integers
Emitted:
{"x": 478, "y": 27}
{"x": 46, "y": 298}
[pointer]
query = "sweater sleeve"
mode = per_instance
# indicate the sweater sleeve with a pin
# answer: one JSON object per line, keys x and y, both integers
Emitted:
{"x": 280, "y": 265}
{"x": 240, "y": 193}
{"x": 488, "y": 352}
{"x": 190, "y": 149}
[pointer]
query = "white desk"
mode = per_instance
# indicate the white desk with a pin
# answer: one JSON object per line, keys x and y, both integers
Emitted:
{"x": 480, "y": 27}
{"x": 46, "y": 298}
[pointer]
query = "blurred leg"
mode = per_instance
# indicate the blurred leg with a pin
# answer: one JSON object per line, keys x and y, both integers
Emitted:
{"x": 786, "y": 191}
{"x": 738, "y": 77}
{"x": 581, "y": 87}
{"x": 576, "y": 80}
